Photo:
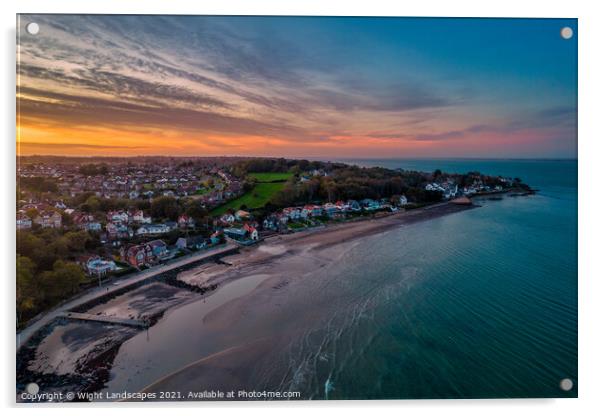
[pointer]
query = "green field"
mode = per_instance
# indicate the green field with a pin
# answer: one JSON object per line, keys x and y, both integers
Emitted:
{"x": 255, "y": 198}
{"x": 270, "y": 176}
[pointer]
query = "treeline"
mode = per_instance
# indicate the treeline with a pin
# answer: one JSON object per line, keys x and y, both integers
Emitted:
{"x": 160, "y": 208}
{"x": 241, "y": 168}
{"x": 92, "y": 169}
{"x": 352, "y": 182}
{"x": 46, "y": 271}
{"x": 37, "y": 184}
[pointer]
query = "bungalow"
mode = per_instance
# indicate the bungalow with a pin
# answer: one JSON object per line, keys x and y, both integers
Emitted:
{"x": 238, "y": 234}
{"x": 147, "y": 229}
{"x": 23, "y": 222}
{"x": 434, "y": 187}
{"x": 197, "y": 242}
{"x": 49, "y": 219}
{"x": 184, "y": 221}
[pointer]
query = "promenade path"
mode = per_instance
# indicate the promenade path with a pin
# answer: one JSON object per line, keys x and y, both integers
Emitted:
{"x": 97, "y": 292}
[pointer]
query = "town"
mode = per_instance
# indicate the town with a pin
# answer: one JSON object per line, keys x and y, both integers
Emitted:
{"x": 81, "y": 223}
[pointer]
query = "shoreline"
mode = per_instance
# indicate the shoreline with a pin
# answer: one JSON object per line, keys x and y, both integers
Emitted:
{"x": 246, "y": 261}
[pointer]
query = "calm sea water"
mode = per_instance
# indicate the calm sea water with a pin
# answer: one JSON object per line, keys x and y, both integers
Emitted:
{"x": 477, "y": 304}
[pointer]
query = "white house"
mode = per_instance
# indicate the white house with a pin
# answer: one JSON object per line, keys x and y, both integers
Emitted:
{"x": 153, "y": 229}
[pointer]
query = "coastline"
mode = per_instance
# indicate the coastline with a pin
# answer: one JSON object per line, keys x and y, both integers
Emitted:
{"x": 292, "y": 255}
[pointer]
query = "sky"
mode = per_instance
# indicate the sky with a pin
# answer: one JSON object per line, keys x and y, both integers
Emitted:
{"x": 320, "y": 87}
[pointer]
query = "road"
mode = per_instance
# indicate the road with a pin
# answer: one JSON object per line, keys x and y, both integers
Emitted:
{"x": 97, "y": 292}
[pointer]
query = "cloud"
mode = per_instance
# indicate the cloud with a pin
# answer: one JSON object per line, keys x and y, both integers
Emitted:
{"x": 62, "y": 146}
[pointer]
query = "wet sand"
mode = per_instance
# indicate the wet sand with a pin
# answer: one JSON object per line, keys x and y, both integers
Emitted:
{"x": 144, "y": 302}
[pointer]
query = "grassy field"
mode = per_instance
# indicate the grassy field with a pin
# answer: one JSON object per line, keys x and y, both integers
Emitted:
{"x": 256, "y": 198}
{"x": 270, "y": 177}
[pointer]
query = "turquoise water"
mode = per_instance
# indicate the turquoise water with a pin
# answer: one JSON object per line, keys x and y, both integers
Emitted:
{"x": 479, "y": 304}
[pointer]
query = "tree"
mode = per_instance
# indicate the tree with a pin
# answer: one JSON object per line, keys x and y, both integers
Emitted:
{"x": 28, "y": 292}
{"x": 64, "y": 280}
{"x": 165, "y": 207}
{"x": 28, "y": 243}
{"x": 92, "y": 203}
{"x": 195, "y": 211}
{"x": 77, "y": 240}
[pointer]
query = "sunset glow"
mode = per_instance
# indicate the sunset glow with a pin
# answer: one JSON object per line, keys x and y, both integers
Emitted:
{"x": 296, "y": 87}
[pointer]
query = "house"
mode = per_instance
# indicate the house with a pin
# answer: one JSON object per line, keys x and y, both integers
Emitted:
{"x": 23, "y": 222}
{"x": 134, "y": 194}
{"x": 184, "y": 221}
{"x": 145, "y": 254}
{"x": 242, "y": 215}
{"x": 331, "y": 209}
{"x": 49, "y": 219}
{"x": 271, "y": 223}
{"x": 228, "y": 218}
{"x": 181, "y": 243}
{"x": 216, "y": 237}
{"x": 197, "y": 242}
{"x": 292, "y": 213}
{"x": 342, "y": 206}
{"x": 86, "y": 221}
{"x": 147, "y": 229}
{"x": 252, "y": 232}
{"x": 403, "y": 200}
{"x": 238, "y": 234}
{"x": 354, "y": 205}
{"x": 311, "y": 211}
{"x": 370, "y": 204}
{"x": 159, "y": 248}
{"x": 118, "y": 230}
{"x": 121, "y": 217}
{"x": 138, "y": 216}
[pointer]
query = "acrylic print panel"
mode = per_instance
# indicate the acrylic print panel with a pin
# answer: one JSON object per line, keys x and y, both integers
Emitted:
{"x": 295, "y": 208}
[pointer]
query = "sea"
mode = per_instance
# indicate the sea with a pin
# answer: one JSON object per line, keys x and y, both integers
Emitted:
{"x": 477, "y": 304}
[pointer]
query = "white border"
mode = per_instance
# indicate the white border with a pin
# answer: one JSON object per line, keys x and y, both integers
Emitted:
{"x": 590, "y": 71}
